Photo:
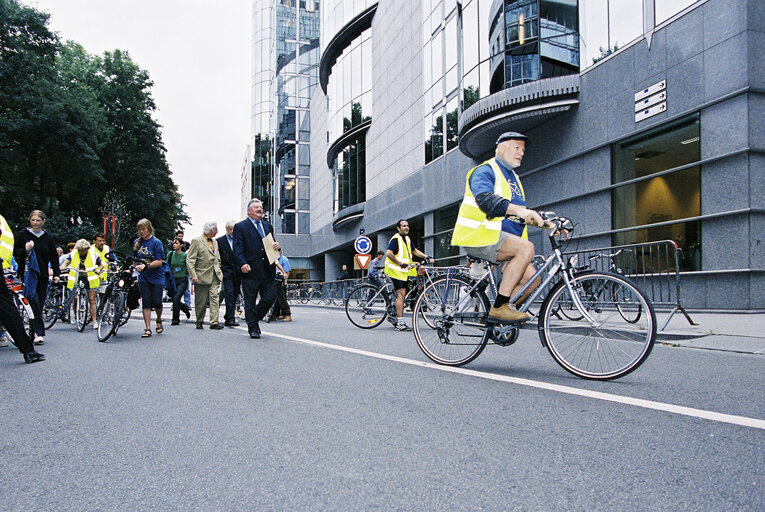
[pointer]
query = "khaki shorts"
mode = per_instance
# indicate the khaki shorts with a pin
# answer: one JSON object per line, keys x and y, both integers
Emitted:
{"x": 489, "y": 252}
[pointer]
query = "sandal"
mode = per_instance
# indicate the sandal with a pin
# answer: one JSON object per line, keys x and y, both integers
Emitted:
{"x": 146, "y": 333}
{"x": 159, "y": 328}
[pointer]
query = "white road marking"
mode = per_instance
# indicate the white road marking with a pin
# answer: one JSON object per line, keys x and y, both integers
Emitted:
{"x": 637, "y": 402}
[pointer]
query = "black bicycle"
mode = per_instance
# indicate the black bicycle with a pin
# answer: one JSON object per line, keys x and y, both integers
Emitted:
{"x": 114, "y": 311}
{"x": 368, "y": 306}
{"x": 60, "y": 300}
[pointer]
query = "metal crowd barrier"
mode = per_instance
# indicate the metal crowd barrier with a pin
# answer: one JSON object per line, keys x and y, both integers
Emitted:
{"x": 653, "y": 266}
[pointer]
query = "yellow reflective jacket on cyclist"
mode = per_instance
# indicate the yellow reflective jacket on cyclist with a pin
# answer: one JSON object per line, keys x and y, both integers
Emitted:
{"x": 6, "y": 242}
{"x": 404, "y": 256}
{"x": 90, "y": 266}
{"x": 472, "y": 228}
{"x": 102, "y": 254}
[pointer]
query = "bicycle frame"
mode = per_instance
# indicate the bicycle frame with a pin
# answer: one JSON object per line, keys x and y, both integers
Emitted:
{"x": 554, "y": 264}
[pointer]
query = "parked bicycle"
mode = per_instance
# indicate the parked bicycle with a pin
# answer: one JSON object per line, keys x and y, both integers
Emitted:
{"x": 601, "y": 344}
{"x": 114, "y": 310}
{"x": 59, "y": 300}
{"x": 368, "y": 306}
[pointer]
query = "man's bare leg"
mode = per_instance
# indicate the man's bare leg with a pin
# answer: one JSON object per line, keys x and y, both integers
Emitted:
{"x": 518, "y": 254}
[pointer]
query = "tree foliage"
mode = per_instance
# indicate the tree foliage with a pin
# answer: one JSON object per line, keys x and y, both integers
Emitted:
{"x": 76, "y": 129}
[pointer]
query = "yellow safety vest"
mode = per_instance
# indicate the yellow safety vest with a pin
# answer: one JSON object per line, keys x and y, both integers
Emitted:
{"x": 473, "y": 229}
{"x": 90, "y": 266}
{"x": 404, "y": 256}
{"x": 102, "y": 254}
{"x": 6, "y": 242}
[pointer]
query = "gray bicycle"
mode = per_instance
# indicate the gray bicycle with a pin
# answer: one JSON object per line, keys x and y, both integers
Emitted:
{"x": 606, "y": 339}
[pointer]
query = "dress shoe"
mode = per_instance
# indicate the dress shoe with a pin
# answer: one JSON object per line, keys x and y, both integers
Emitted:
{"x": 216, "y": 326}
{"x": 255, "y": 331}
{"x": 199, "y": 325}
{"x": 287, "y": 318}
{"x": 255, "y": 335}
{"x": 175, "y": 322}
{"x": 33, "y": 357}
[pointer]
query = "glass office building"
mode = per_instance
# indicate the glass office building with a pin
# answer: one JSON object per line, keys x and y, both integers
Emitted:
{"x": 642, "y": 118}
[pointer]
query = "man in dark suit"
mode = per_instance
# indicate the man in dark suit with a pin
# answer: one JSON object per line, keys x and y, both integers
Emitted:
{"x": 231, "y": 274}
{"x": 258, "y": 275}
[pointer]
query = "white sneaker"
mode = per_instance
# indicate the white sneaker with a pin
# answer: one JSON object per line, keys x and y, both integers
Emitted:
{"x": 3, "y": 339}
{"x": 95, "y": 325}
{"x": 39, "y": 340}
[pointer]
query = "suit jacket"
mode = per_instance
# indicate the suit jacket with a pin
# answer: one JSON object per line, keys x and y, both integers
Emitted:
{"x": 228, "y": 263}
{"x": 248, "y": 248}
{"x": 202, "y": 263}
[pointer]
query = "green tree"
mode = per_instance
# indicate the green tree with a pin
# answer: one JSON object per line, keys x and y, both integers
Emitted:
{"x": 74, "y": 126}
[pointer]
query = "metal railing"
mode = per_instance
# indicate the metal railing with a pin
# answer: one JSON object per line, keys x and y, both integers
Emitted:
{"x": 653, "y": 266}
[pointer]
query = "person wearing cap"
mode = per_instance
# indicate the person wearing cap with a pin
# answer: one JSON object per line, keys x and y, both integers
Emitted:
{"x": 492, "y": 219}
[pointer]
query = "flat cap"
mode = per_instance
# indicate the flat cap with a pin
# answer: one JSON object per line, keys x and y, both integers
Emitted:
{"x": 512, "y": 136}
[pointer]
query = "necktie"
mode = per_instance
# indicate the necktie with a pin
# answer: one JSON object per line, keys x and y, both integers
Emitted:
{"x": 260, "y": 229}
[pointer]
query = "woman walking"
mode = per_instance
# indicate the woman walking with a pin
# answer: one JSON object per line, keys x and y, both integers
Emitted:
{"x": 148, "y": 251}
{"x": 35, "y": 238}
{"x": 177, "y": 262}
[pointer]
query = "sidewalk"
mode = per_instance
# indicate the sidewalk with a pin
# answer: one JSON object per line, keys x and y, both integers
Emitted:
{"x": 730, "y": 331}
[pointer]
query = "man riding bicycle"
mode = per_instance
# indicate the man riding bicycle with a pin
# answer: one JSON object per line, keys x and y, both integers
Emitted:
{"x": 493, "y": 192}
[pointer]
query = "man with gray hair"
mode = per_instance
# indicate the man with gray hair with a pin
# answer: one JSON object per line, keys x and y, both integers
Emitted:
{"x": 203, "y": 264}
{"x": 231, "y": 274}
{"x": 258, "y": 275}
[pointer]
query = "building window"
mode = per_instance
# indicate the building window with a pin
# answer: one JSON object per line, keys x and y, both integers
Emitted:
{"x": 440, "y": 77}
{"x": 349, "y": 172}
{"x": 656, "y": 201}
{"x": 444, "y": 252}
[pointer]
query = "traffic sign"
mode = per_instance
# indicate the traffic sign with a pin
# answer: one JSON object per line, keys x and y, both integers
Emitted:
{"x": 363, "y": 245}
{"x": 363, "y": 260}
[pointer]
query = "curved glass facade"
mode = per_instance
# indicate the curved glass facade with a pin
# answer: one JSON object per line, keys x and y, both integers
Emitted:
{"x": 349, "y": 104}
{"x": 350, "y": 177}
{"x": 336, "y": 14}
{"x": 349, "y": 90}
{"x": 440, "y": 76}
{"x": 296, "y": 76}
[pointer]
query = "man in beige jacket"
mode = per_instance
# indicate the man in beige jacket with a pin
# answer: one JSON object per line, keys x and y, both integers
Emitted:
{"x": 203, "y": 263}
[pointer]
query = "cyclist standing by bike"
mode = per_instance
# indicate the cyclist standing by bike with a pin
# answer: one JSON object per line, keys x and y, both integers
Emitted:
{"x": 9, "y": 315}
{"x": 399, "y": 258}
{"x": 85, "y": 258}
{"x": 35, "y": 238}
{"x": 493, "y": 192}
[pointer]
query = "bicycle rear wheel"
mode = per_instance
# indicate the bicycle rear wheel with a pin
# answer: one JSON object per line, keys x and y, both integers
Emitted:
{"x": 367, "y": 306}
{"x": 612, "y": 346}
{"x": 459, "y": 331}
{"x": 52, "y": 306}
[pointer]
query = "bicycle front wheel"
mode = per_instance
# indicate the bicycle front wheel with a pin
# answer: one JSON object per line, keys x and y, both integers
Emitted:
{"x": 82, "y": 308}
{"x": 367, "y": 306}
{"x": 609, "y": 347}
{"x": 458, "y": 319}
{"x": 107, "y": 320}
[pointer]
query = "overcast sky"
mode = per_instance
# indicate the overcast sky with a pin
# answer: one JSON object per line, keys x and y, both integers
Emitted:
{"x": 198, "y": 55}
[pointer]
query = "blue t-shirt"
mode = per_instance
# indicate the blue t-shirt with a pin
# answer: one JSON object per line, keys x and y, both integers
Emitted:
{"x": 285, "y": 263}
{"x": 148, "y": 251}
{"x": 482, "y": 180}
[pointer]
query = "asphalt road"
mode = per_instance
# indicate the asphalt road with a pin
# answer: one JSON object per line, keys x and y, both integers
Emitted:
{"x": 320, "y": 415}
